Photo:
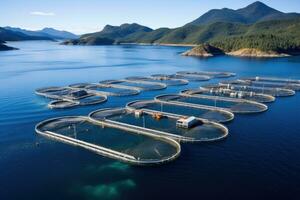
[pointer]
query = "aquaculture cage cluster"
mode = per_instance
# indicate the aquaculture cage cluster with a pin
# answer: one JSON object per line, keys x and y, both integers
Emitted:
{"x": 217, "y": 90}
{"x": 264, "y": 84}
{"x": 66, "y": 97}
{"x": 80, "y": 94}
{"x": 148, "y": 132}
{"x": 275, "y": 92}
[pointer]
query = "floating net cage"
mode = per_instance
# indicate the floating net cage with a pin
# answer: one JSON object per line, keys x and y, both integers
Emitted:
{"x": 191, "y": 77}
{"x": 104, "y": 89}
{"x": 112, "y": 90}
{"x": 273, "y": 79}
{"x": 215, "y": 90}
{"x": 53, "y": 92}
{"x": 233, "y": 105}
{"x": 162, "y": 124}
{"x": 203, "y": 112}
{"x": 164, "y": 80}
{"x": 67, "y": 97}
{"x": 60, "y": 104}
{"x": 81, "y": 85}
{"x": 117, "y": 142}
{"x": 66, "y": 103}
{"x": 137, "y": 84}
{"x": 276, "y": 92}
{"x": 207, "y": 73}
{"x": 265, "y": 84}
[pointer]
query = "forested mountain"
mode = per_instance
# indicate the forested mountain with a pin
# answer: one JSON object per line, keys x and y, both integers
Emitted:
{"x": 255, "y": 12}
{"x": 255, "y": 26}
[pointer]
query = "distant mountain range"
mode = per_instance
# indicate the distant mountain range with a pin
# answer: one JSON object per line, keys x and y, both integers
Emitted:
{"x": 18, "y": 34}
{"x": 9, "y": 35}
{"x": 255, "y": 26}
{"x": 45, "y": 33}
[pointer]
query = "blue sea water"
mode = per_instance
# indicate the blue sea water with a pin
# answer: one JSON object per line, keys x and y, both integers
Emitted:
{"x": 259, "y": 160}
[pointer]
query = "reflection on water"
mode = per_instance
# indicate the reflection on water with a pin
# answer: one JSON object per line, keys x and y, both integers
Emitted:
{"x": 260, "y": 155}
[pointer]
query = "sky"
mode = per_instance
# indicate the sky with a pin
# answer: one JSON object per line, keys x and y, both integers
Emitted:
{"x": 87, "y": 16}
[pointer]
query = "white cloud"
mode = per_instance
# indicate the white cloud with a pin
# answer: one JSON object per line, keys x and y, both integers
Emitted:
{"x": 42, "y": 13}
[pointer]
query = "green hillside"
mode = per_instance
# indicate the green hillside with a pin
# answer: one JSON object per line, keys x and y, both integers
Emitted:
{"x": 111, "y": 34}
{"x": 253, "y": 13}
{"x": 255, "y": 26}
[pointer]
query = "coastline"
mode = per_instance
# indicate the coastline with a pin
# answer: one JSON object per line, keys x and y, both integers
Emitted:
{"x": 159, "y": 44}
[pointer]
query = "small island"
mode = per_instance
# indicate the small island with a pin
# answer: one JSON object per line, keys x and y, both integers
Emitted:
{"x": 204, "y": 50}
{"x": 4, "y": 47}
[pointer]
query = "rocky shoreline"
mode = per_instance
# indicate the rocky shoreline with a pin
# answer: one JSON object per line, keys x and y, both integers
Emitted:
{"x": 206, "y": 51}
{"x": 4, "y": 47}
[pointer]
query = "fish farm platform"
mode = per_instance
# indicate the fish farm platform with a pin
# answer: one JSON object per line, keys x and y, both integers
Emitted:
{"x": 199, "y": 111}
{"x": 234, "y": 105}
{"x": 124, "y": 143}
{"x": 162, "y": 124}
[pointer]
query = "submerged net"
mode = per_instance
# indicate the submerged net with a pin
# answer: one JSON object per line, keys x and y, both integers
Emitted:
{"x": 264, "y": 84}
{"x": 273, "y": 79}
{"x": 224, "y": 92}
{"x": 142, "y": 85}
{"x": 156, "y": 79}
{"x": 112, "y": 90}
{"x": 207, "y": 73}
{"x": 277, "y": 92}
{"x": 53, "y": 92}
{"x": 234, "y": 105}
{"x": 217, "y": 115}
{"x": 191, "y": 77}
{"x": 201, "y": 131}
{"x": 140, "y": 146}
{"x": 58, "y": 104}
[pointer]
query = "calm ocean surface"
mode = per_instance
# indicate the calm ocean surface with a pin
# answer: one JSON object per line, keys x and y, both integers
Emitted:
{"x": 259, "y": 160}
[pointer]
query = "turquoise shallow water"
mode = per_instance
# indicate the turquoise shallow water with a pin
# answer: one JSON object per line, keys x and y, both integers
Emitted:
{"x": 259, "y": 159}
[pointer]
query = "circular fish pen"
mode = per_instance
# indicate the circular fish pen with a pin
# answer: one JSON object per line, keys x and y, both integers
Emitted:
{"x": 233, "y": 105}
{"x": 62, "y": 104}
{"x": 191, "y": 77}
{"x": 215, "y": 90}
{"x": 273, "y": 79}
{"x": 114, "y": 141}
{"x": 208, "y": 73}
{"x": 136, "y": 85}
{"x": 163, "y": 124}
{"x": 276, "y": 92}
{"x": 171, "y": 108}
{"x": 164, "y": 80}
{"x": 85, "y": 101}
{"x": 66, "y": 97}
{"x": 53, "y": 92}
{"x": 111, "y": 90}
{"x": 265, "y": 84}
{"x": 104, "y": 89}
{"x": 80, "y": 85}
